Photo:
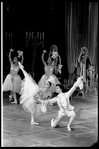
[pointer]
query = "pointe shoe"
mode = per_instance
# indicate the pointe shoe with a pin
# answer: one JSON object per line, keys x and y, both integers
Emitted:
{"x": 52, "y": 122}
{"x": 10, "y": 97}
{"x": 14, "y": 102}
{"x": 68, "y": 127}
{"x": 34, "y": 123}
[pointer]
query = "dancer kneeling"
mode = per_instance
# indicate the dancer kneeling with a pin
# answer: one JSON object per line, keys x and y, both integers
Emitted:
{"x": 62, "y": 100}
{"x": 28, "y": 99}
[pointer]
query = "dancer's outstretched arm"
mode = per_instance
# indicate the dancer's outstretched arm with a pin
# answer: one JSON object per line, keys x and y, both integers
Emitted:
{"x": 51, "y": 101}
{"x": 44, "y": 51}
{"x": 11, "y": 50}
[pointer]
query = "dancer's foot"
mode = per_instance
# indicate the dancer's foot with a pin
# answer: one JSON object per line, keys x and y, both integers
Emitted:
{"x": 34, "y": 123}
{"x": 52, "y": 121}
{"x": 68, "y": 127}
{"x": 10, "y": 97}
{"x": 14, "y": 102}
{"x": 53, "y": 124}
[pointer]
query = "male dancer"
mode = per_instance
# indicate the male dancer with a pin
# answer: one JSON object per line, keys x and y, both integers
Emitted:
{"x": 62, "y": 100}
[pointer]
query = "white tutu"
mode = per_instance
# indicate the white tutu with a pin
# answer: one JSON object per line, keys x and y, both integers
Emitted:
{"x": 12, "y": 83}
{"x": 44, "y": 78}
{"x": 28, "y": 101}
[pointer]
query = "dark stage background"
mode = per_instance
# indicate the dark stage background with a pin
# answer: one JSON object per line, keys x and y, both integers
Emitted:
{"x": 19, "y": 18}
{"x": 68, "y": 25}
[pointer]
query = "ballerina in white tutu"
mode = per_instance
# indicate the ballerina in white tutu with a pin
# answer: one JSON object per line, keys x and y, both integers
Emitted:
{"x": 45, "y": 92}
{"x": 13, "y": 80}
{"x": 48, "y": 73}
{"x": 30, "y": 96}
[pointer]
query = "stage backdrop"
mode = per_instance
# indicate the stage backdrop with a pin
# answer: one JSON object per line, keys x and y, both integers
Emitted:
{"x": 81, "y": 29}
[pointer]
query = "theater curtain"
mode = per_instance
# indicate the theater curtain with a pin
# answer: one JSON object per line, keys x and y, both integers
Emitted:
{"x": 81, "y": 29}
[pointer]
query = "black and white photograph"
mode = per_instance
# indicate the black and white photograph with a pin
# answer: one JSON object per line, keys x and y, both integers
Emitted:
{"x": 49, "y": 74}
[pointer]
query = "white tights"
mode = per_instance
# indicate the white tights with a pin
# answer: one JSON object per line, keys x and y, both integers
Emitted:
{"x": 70, "y": 114}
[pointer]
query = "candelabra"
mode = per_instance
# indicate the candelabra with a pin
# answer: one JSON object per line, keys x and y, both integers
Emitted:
{"x": 35, "y": 39}
{"x": 8, "y": 42}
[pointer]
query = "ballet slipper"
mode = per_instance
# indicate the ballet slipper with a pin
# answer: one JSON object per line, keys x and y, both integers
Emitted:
{"x": 14, "y": 102}
{"x": 52, "y": 122}
{"x": 34, "y": 123}
{"x": 10, "y": 97}
{"x": 68, "y": 127}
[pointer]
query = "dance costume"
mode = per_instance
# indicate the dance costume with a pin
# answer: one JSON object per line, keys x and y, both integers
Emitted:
{"x": 62, "y": 99}
{"x": 48, "y": 73}
{"x": 13, "y": 80}
{"x": 28, "y": 99}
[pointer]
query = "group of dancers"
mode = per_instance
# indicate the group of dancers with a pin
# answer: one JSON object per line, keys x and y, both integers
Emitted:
{"x": 33, "y": 102}
{"x": 52, "y": 67}
{"x": 36, "y": 96}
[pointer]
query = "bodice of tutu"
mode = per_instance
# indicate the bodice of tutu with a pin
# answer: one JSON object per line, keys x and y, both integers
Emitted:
{"x": 14, "y": 69}
{"x": 48, "y": 70}
{"x": 44, "y": 94}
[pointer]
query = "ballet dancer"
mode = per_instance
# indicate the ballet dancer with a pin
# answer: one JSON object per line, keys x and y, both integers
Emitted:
{"x": 48, "y": 73}
{"x": 13, "y": 80}
{"x": 45, "y": 92}
{"x": 62, "y": 99}
{"x": 29, "y": 99}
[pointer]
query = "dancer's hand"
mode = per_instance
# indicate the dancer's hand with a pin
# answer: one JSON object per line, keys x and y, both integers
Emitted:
{"x": 60, "y": 66}
{"x": 44, "y": 51}
{"x": 11, "y": 50}
{"x": 40, "y": 100}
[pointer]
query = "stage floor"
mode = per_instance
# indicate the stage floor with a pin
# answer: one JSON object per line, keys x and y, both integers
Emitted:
{"x": 18, "y": 132}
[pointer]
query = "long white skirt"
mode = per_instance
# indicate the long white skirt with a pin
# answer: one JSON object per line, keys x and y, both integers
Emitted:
{"x": 29, "y": 89}
{"x": 12, "y": 83}
{"x": 43, "y": 79}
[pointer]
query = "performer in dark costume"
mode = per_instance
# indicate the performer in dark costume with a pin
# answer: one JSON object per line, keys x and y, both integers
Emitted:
{"x": 84, "y": 61}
